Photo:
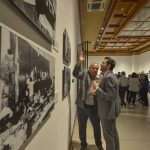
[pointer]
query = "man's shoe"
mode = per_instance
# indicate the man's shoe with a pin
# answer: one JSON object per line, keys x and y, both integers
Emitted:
{"x": 133, "y": 105}
{"x": 125, "y": 105}
{"x": 83, "y": 148}
{"x": 100, "y": 148}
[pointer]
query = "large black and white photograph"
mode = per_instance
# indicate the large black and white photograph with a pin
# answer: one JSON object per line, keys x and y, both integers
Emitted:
{"x": 27, "y": 89}
{"x": 42, "y": 13}
{"x": 66, "y": 81}
{"x": 66, "y": 48}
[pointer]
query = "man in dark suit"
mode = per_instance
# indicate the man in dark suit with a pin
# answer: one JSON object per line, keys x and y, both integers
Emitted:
{"x": 86, "y": 104}
{"x": 107, "y": 92}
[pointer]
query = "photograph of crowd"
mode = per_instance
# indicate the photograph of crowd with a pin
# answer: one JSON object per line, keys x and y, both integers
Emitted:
{"x": 66, "y": 81}
{"x": 27, "y": 87}
{"x": 42, "y": 13}
{"x": 66, "y": 48}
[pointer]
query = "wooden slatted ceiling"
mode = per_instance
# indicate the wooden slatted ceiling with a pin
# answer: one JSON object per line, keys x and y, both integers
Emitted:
{"x": 125, "y": 30}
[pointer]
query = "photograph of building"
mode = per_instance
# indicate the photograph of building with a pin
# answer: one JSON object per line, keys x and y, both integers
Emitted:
{"x": 41, "y": 13}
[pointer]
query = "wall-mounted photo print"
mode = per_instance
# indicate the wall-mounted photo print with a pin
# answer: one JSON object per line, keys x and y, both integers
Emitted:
{"x": 27, "y": 87}
{"x": 66, "y": 81}
{"x": 66, "y": 48}
{"x": 42, "y": 13}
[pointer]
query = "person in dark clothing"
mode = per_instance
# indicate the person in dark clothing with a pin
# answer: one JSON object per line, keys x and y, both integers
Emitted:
{"x": 86, "y": 103}
{"x": 144, "y": 90}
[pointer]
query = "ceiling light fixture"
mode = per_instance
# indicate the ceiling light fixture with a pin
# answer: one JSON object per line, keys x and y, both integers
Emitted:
{"x": 122, "y": 9}
{"x": 124, "y": 15}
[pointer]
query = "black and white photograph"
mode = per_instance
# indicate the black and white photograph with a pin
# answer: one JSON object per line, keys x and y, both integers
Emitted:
{"x": 27, "y": 89}
{"x": 42, "y": 13}
{"x": 66, "y": 81}
{"x": 66, "y": 48}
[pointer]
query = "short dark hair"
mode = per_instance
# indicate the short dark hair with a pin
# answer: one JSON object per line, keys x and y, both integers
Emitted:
{"x": 111, "y": 62}
{"x": 134, "y": 75}
{"x": 123, "y": 73}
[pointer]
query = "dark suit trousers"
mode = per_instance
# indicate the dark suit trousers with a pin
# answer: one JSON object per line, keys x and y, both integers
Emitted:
{"x": 132, "y": 96}
{"x": 122, "y": 92}
{"x": 144, "y": 97}
{"x": 83, "y": 115}
{"x": 110, "y": 134}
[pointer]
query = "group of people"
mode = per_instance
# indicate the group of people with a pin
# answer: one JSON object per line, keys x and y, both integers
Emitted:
{"x": 134, "y": 85}
{"x": 98, "y": 100}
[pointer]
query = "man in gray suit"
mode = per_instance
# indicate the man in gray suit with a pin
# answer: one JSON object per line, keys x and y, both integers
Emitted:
{"x": 107, "y": 92}
{"x": 86, "y": 104}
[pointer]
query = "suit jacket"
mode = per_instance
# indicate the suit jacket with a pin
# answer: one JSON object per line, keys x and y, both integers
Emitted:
{"x": 108, "y": 97}
{"x": 85, "y": 80}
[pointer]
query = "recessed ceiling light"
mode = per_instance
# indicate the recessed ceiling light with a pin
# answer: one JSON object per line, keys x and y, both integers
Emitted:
{"x": 122, "y": 9}
{"x": 124, "y": 14}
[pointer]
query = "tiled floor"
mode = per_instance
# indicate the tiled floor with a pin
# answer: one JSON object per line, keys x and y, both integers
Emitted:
{"x": 133, "y": 126}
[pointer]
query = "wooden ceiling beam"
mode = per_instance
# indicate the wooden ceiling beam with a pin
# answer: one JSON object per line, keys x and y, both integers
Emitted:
{"x": 142, "y": 46}
{"x": 116, "y": 53}
{"x": 136, "y": 7}
{"x": 120, "y": 15}
{"x": 127, "y": 1}
{"x": 115, "y": 11}
{"x": 135, "y": 37}
{"x": 109, "y": 33}
{"x": 109, "y": 53}
{"x": 113, "y": 26}
{"x": 106, "y": 20}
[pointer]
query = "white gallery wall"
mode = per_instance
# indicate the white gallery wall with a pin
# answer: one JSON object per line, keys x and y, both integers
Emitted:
{"x": 123, "y": 63}
{"x": 129, "y": 64}
{"x": 142, "y": 62}
{"x": 55, "y": 133}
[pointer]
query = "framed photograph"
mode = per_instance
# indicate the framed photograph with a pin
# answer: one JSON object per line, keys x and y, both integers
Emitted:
{"x": 42, "y": 13}
{"x": 66, "y": 81}
{"x": 27, "y": 87}
{"x": 66, "y": 48}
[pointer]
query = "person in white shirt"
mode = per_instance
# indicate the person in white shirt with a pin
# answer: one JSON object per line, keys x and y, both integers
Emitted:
{"x": 133, "y": 88}
{"x": 123, "y": 86}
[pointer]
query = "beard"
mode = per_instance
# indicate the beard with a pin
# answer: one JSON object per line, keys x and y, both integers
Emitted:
{"x": 102, "y": 69}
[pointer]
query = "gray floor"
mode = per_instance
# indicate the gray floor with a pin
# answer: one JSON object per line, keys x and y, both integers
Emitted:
{"x": 134, "y": 130}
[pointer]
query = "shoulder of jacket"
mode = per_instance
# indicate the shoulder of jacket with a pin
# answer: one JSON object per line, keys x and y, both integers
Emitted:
{"x": 110, "y": 74}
